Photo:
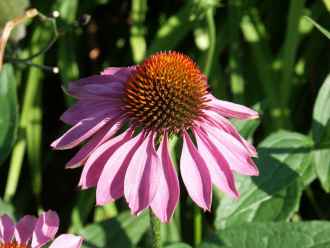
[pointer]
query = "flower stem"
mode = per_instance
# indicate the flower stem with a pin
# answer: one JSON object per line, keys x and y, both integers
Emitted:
{"x": 155, "y": 230}
{"x": 212, "y": 38}
{"x": 197, "y": 225}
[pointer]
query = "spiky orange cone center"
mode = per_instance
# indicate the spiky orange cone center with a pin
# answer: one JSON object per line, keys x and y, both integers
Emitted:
{"x": 13, "y": 245}
{"x": 167, "y": 92}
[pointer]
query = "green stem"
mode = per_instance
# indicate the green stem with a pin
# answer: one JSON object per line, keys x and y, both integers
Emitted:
{"x": 288, "y": 55}
{"x": 212, "y": 39}
{"x": 197, "y": 225}
{"x": 235, "y": 61}
{"x": 155, "y": 230}
{"x": 313, "y": 201}
{"x": 19, "y": 149}
{"x": 137, "y": 39}
{"x": 207, "y": 69}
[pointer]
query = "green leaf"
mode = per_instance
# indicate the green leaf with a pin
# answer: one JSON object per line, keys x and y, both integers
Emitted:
{"x": 125, "y": 230}
{"x": 8, "y": 110}
{"x": 178, "y": 245}
{"x": 321, "y": 133}
{"x": 274, "y": 194}
{"x": 313, "y": 234}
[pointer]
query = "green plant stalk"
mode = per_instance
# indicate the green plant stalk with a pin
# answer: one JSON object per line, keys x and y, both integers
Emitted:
{"x": 20, "y": 146}
{"x": 30, "y": 96}
{"x": 67, "y": 59}
{"x": 155, "y": 230}
{"x": 172, "y": 31}
{"x": 236, "y": 78}
{"x": 137, "y": 39}
{"x": 319, "y": 27}
{"x": 216, "y": 75}
{"x": 313, "y": 202}
{"x": 198, "y": 228}
{"x": 288, "y": 53}
{"x": 15, "y": 168}
{"x": 255, "y": 36}
{"x": 254, "y": 32}
{"x": 207, "y": 68}
{"x": 34, "y": 146}
{"x": 212, "y": 39}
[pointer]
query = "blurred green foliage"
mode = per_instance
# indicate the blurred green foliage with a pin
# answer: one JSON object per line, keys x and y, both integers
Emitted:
{"x": 272, "y": 55}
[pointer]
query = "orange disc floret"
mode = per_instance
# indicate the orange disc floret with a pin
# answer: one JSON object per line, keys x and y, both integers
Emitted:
{"x": 167, "y": 91}
{"x": 13, "y": 245}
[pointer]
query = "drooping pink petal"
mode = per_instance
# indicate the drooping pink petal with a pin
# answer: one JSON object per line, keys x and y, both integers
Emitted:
{"x": 110, "y": 186}
{"x": 45, "y": 229}
{"x": 221, "y": 174}
{"x": 99, "y": 138}
{"x": 221, "y": 122}
{"x": 121, "y": 73}
{"x": 230, "y": 109}
{"x": 168, "y": 191}
{"x": 195, "y": 174}
{"x": 81, "y": 131}
{"x": 86, "y": 109}
{"x": 24, "y": 229}
{"x": 6, "y": 229}
{"x": 67, "y": 241}
{"x": 97, "y": 160}
{"x": 235, "y": 154}
{"x": 141, "y": 176}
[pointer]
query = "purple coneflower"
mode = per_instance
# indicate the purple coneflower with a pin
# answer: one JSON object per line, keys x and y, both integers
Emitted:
{"x": 128, "y": 115}
{"x": 32, "y": 232}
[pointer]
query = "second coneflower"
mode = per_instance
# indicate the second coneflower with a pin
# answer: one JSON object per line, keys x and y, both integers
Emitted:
{"x": 164, "y": 96}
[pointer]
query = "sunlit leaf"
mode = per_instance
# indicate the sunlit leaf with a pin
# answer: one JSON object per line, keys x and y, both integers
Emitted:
{"x": 125, "y": 230}
{"x": 274, "y": 194}
{"x": 321, "y": 133}
{"x": 314, "y": 234}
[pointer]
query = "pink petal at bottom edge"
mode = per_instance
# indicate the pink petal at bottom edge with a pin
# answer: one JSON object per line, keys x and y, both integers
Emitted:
{"x": 195, "y": 174}
{"x": 221, "y": 174}
{"x": 67, "y": 241}
{"x": 98, "y": 158}
{"x": 24, "y": 229}
{"x": 99, "y": 138}
{"x": 141, "y": 176}
{"x": 168, "y": 191}
{"x": 6, "y": 228}
{"x": 45, "y": 229}
{"x": 110, "y": 185}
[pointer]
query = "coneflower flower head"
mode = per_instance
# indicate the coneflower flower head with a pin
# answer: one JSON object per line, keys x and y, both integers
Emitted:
{"x": 166, "y": 95}
{"x": 32, "y": 232}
